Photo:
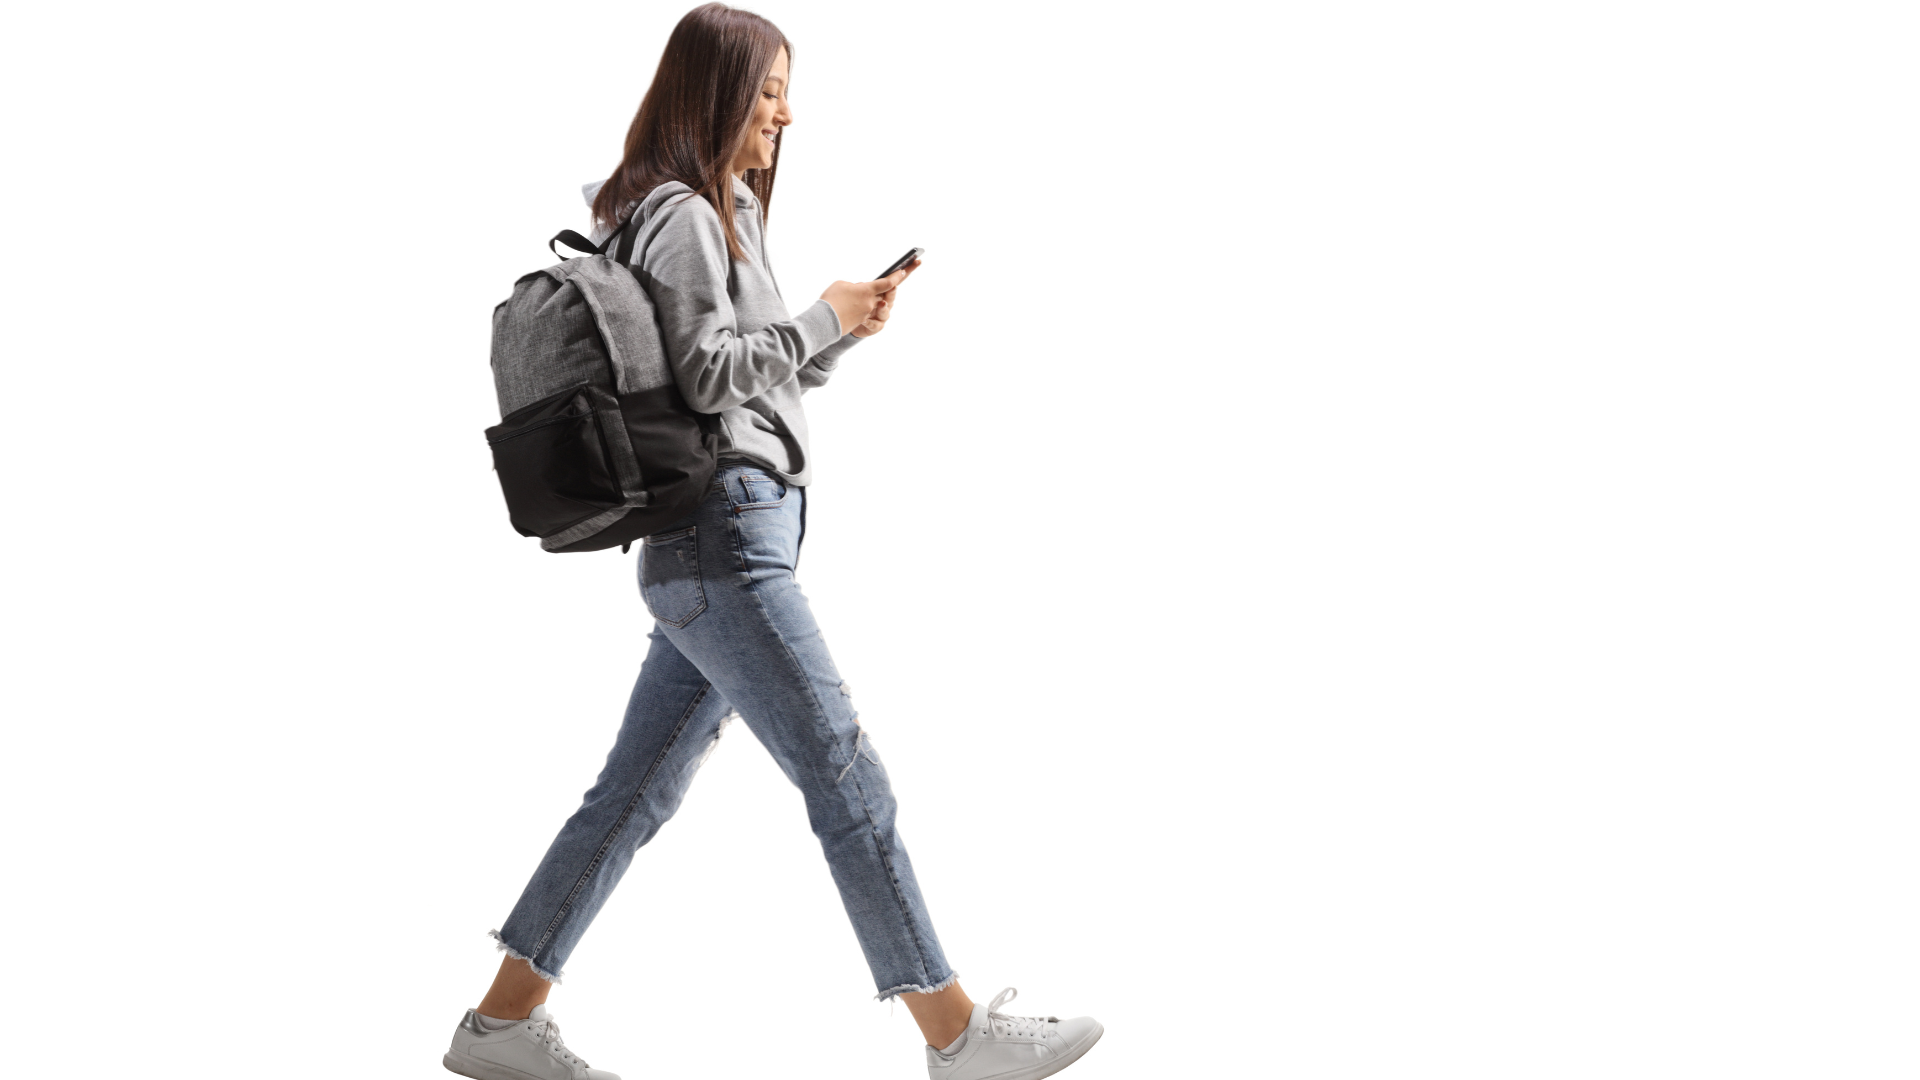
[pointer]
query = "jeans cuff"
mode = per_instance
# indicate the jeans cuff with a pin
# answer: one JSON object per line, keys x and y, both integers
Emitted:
{"x": 500, "y": 943}
{"x": 916, "y": 988}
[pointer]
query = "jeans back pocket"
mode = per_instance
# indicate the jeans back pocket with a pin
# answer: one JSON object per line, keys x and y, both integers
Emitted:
{"x": 670, "y": 577}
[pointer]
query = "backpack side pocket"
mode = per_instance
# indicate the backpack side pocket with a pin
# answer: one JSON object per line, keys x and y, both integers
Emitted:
{"x": 553, "y": 465}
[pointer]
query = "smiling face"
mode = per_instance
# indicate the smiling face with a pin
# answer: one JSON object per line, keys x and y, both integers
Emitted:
{"x": 769, "y": 117}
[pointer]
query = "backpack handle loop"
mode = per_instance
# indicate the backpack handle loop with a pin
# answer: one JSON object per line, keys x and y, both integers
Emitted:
{"x": 575, "y": 241}
{"x": 580, "y": 243}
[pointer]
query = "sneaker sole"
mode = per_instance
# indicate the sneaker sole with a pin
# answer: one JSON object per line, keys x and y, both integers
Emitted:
{"x": 468, "y": 1065}
{"x": 1051, "y": 1067}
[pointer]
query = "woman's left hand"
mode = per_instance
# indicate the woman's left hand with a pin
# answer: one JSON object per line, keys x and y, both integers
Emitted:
{"x": 877, "y": 321}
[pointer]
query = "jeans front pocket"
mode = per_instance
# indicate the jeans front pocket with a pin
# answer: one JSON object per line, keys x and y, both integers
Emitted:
{"x": 761, "y": 492}
{"x": 670, "y": 577}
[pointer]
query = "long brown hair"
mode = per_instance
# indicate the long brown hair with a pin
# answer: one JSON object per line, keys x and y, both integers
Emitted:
{"x": 694, "y": 117}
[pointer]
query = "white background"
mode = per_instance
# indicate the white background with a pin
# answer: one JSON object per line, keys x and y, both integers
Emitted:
{"x": 1380, "y": 543}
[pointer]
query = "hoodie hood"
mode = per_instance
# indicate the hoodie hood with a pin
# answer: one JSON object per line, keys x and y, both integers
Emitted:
{"x": 743, "y": 198}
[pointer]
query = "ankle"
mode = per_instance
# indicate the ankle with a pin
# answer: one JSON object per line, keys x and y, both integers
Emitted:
{"x": 942, "y": 1039}
{"x": 942, "y": 1015}
{"x": 517, "y": 988}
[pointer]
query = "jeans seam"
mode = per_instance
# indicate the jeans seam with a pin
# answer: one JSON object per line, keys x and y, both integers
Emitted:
{"x": 906, "y": 912}
{"x": 766, "y": 618}
{"x": 620, "y": 824}
{"x": 740, "y": 558}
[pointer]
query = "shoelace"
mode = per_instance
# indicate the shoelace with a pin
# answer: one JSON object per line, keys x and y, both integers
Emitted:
{"x": 549, "y": 1033}
{"x": 1015, "y": 1025}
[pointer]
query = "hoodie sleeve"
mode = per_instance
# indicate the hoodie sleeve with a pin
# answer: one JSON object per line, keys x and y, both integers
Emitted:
{"x": 816, "y": 371}
{"x": 716, "y": 366}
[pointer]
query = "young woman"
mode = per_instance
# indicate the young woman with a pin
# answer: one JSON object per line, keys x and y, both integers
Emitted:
{"x": 731, "y": 629}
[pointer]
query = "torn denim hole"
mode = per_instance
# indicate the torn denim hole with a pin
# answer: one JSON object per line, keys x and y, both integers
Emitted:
{"x": 859, "y": 740}
{"x": 845, "y": 690}
{"x": 714, "y": 742}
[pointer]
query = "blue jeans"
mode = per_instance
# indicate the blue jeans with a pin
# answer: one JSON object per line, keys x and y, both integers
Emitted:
{"x": 732, "y": 631}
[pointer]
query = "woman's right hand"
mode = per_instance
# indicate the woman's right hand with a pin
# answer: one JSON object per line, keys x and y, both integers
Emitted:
{"x": 854, "y": 301}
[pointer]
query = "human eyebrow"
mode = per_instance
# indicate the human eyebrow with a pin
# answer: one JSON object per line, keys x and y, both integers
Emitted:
{"x": 776, "y": 78}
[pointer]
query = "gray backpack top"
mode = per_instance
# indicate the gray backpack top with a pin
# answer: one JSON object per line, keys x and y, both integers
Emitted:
{"x": 595, "y": 446}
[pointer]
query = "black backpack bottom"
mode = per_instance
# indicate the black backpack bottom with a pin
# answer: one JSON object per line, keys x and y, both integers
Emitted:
{"x": 557, "y": 471}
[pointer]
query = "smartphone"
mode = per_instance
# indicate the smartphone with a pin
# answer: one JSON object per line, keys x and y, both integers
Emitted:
{"x": 900, "y": 262}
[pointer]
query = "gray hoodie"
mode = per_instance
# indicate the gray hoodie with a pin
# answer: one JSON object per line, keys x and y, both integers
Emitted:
{"x": 733, "y": 348}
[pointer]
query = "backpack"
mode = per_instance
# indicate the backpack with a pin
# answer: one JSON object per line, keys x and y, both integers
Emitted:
{"x": 595, "y": 446}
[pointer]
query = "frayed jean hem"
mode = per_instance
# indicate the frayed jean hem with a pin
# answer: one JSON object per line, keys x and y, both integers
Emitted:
{"x": 916, "y": 988}
{"x": 500, "y": 943}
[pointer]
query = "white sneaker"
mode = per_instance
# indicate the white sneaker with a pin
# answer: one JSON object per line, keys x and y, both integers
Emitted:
{"x": 1000, "y": 1047}
{"x": 528, "y": 1050}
